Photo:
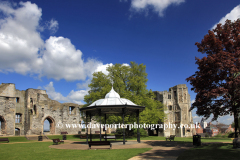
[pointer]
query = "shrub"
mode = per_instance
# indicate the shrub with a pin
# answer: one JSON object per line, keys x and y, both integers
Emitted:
{"x": 232, "y": 134}
{"x": 142, "y": 131}
{"x": 218, "y": 135}
{"x": 133, "y": 132}
{"x": 207, "y": 135}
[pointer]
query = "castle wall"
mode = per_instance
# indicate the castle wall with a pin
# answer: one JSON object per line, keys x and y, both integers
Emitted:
{"x": 7, "y": 112}
{"x": 27, "y": 111}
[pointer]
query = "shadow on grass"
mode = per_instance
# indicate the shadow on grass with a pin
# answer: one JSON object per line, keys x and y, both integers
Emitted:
{"x": 219, "y": 151}
{"x": 165, "y": 149}
{"x": 169, "y": 143}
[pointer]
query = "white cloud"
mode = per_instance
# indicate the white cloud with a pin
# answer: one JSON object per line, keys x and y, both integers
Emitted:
{"x": 24, "y": 52}
{"x": 73, "y": 96}
{"x": 62, "y": 60}
{"x": 77, "y": 96}
{"x": 19, "y": 40}
{"x": 192, "y": 101}
{"x": 84, "y": 85}
{"x": 233, "y": 15}
{"x": 52, "y": 26}
{"x": 196, "y": 119}
{"x": 225, "y": 119}
{"x": 53, "y": 94}
{"x": 103, "y": 68}
{"x": 158, "y": 6}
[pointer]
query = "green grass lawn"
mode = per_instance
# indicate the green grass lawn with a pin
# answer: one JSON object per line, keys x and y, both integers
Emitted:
{"x": 16, "y": 139}
{"x": 211, "y": 152}
{"x": 41, "y": 151}
{"x": 185, "y": 139}
{"x": 76, "y": 138}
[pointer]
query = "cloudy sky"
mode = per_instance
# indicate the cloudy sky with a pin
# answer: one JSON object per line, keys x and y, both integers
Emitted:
{"x": 56, "y": 45}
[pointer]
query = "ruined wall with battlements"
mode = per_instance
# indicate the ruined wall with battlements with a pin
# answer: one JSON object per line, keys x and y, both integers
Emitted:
{"x": 27, "y": 110}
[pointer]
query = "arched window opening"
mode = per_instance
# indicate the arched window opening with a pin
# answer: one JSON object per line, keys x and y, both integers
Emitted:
{"x": 35, "y": 109}
{"x": 72, "y": 110}
{"x": 170, "y": 108}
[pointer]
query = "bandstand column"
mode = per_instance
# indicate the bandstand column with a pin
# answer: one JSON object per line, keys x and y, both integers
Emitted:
{"x": 123, "y": 110}
{"x": 105, "y": 116}
{"x": 90, "y": 127}
{"x": 138, "y": 129}
{"x": 100, "y": 114}
{"x": 86, "y": 127}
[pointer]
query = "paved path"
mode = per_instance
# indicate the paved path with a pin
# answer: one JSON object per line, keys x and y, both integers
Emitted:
{"x": 163, "y": 150}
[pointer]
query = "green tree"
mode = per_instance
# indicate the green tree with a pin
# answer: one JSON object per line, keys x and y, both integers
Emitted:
{"x": 217, "y": 83}
{"x": 233, "y": 123}
{"x": 130, "y": 83}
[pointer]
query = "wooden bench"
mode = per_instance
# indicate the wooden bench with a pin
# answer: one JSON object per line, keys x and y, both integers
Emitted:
{"x": 83, "y": 137}
{"x": 97, "y": 132}
{"x": 170, "y": 138}
{"x": 57, "y": 141}
{"x": 109, "y": 137}
{"x": 64, "y": 132}
{"x": 99, "y": 143}
{"x": 4, "y": 139}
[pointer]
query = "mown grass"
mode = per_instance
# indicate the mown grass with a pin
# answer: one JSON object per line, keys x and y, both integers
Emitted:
{"x": 211, "y": 152}
{"x": 77, "y": 138}
{"x": 69, "y": 137}
{"x": 41, "y": 151}
{"x": 186, "y": 139}
{"x": 16, "y": 139}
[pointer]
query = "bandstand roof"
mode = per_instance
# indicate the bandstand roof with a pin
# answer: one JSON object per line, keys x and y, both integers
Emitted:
{"x": 112, "y": 104}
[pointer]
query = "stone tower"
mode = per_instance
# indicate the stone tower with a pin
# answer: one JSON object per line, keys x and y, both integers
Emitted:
{"x": 177, "y": 103}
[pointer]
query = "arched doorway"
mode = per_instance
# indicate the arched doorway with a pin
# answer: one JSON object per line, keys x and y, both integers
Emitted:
{"x": 49, "y": 125}
{"x": 2, "y": 125}
{"x": 17, "y": 132}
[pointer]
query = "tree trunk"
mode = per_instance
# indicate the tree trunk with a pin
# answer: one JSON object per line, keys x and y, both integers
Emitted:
{"x": 236, "y": 122}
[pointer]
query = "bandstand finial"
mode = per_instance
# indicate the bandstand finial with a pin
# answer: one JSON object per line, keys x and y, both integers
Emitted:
{"x": 112, "y": 83}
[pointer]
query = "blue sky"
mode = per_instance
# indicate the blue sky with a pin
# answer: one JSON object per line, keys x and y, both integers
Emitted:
{"x": 56, "y": 45}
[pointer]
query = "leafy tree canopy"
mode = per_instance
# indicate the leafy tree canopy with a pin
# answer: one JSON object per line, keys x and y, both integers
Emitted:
{"x": 130, "y": 83}
{"x": 217, "y": 81}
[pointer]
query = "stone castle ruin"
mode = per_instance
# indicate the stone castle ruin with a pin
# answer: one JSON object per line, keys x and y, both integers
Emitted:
{"x": 25, "y": 112}
{"x": 177, "y": 103}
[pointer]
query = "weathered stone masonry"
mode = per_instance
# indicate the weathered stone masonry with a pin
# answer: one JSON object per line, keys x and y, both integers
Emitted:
{"x": 177, "y": 103}
{"x": 27, "y": 110}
